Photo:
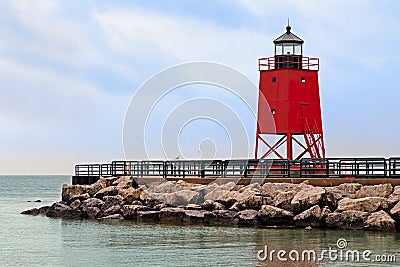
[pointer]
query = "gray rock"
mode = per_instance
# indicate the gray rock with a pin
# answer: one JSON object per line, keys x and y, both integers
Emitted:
{"x": 307, "y": 197}
{"x": 351, "y": 188}
{"x": 395, "y": 211}
{"x": 381, "y": 190}
{"x": 221, "y": 217}
{"x": 97, "y": 186}
{"x": 75, "y": 204}
{"x": 108, "y": 191}
{"x": 334, "y": 194}
{"x": 62, "y": 210}
{"x": 273, "y": 189}
{"x": 283, "y": 200}
{"x": 394, "y": 197}
{"x": 112, "y": 210}
{"x": 72, "y": 190}
{"x": 174, "y": 215}
{"x": 130, "y": 211}
{"x": 310, "y": 217}
{"x": 130, "y": 195}
{"x": 93, "y": 212}
{"x": 161, "y": 206}
{"x": 33, "y": 212}
{"x": 347, "y": 219}
{"x": 166, "y": 187}
{"x": 110, "y": 201}
{"x": 148, "y": 215}
{"x": 123, "y": 182}
{"x": 91, "y": 202}
{"x": 194, "y": 216}
{"x": 179, "y": 198}
{"x": 229, "y": 198}
{"x": 215, "y": 192}
{"x": 247, "y": 217}
{"x": 380, "y": 221}
{"x": 367, "y": 204}
{"x": 270, "y": 215}
{"x": 324, "y": 213}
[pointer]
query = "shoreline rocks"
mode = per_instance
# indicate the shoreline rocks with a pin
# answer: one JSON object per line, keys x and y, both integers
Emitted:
{"x": 347, "y": 206}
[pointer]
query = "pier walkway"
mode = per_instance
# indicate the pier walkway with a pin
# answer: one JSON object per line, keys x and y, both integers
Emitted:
{"x": 325, "y": 170}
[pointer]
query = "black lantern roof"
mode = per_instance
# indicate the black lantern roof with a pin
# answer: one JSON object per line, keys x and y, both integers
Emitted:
{"x": 288, "y": 37}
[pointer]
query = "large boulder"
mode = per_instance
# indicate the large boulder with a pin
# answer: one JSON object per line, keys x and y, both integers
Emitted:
{"x": 179, "y": 198}
{"x": 175, "y": 215}
{"x": 246, "y": 198}
{"x": 111, "y": 201}
{"x": 75, "y": 204}
{"x": 130, "y": 194}
{"x": 307, "y": 197}
{"x": 97, "y": 186}
{"x": 347, "y": 219}
{"x": 93, "y": 212}
{"x": 283, "y": 200}
{"x": 380, "y": 221}
{"x": 211, "y": 205}
{"x": 220, "y": 217}
{"x": 152, "y": 215}
{"x": 91, "y": 202}
{"x": 247, "y": 217}
{"x": 270, "y": 215}
{"x": 335, "y": 194}
{"x": 367, "y": 204}
{"x": 194, "y": 216}
{"x": 33, "y": 212}
{"x": 310, "y": 217}
{"x": 381, "y": 190}
{"x": 254, "y": 202}
{"x": 214, "y": 192}
{"x": 130, "y": 211}
{"x": 273, "y": 189}
{"x": 123, "y": 182}
{"x": 394, "y": 197}
{"x": 351, "y": 188}
{"x": 72, "y": 190}
{"x": 108, "y": 191}
{"x": 395, "y": 211}
{"x": 166, "y": 187}
{"x": 112, "y": 210}
{"x": 62, "y": 210}
{"x": 229, "y": 198}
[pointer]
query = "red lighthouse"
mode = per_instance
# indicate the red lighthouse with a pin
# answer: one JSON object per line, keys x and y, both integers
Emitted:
{"x": 289, "y": 91}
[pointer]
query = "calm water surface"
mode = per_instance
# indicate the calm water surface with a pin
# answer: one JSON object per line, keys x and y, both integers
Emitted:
{"x": 41, "y": 241}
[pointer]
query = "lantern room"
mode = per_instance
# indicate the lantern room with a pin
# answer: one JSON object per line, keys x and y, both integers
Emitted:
{"x": 288, "y": 50}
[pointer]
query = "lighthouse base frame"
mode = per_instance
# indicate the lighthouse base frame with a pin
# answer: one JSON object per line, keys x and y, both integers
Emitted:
{"x": 314, "y": 146}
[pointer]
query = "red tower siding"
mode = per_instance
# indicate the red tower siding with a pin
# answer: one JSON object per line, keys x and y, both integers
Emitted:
{"x": 293, "y": 95}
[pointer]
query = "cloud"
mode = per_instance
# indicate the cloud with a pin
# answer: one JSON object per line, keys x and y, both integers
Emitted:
{"x": 68, "y": 69}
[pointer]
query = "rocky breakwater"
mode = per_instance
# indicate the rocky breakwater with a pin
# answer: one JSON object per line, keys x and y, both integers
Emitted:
{"x": 347, "y": 206}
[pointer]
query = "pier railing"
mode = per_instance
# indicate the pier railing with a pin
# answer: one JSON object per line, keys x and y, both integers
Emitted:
{"x": 279, "y": 168}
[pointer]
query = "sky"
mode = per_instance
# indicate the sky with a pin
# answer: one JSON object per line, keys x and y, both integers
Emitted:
{"x": 69, "y": 69}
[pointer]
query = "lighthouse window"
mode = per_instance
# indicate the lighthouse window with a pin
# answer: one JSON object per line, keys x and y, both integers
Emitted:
{"x": 273, "y": 111}
{"x": 273, "y": 79}
{"x": 303, "y": 79}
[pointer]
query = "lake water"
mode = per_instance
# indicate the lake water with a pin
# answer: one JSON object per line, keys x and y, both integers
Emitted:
{"x": 40, "y": 241}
